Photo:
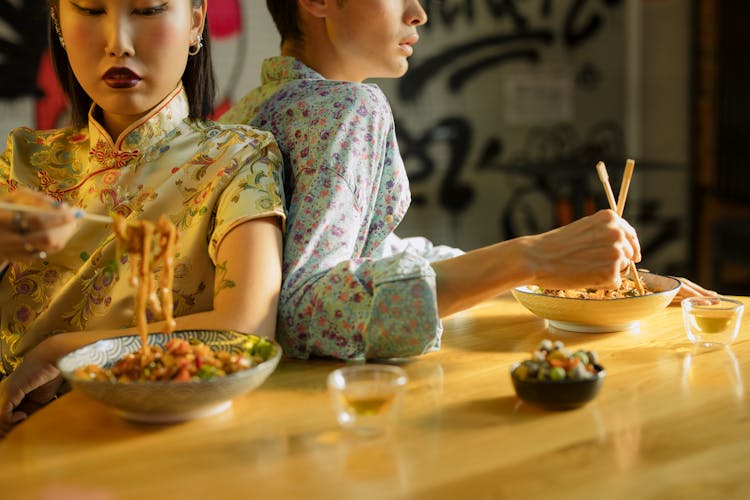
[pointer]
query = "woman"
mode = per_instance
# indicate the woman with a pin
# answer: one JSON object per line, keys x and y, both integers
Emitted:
{"x": 139, "y": 78}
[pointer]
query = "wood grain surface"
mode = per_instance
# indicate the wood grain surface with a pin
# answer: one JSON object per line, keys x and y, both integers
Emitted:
{"x": 669, "y": 422}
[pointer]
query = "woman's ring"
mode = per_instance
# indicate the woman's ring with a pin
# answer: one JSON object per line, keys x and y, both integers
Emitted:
{"x": 19, "y": 223}
{"x": 15, "y": 222}
{"x": 30, "y": 249}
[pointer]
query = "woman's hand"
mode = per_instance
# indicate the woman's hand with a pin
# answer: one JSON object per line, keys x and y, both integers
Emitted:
{"x": 25, "y": 235}
{"x": 36, "y": 378}
{"x": 690, "y": 289}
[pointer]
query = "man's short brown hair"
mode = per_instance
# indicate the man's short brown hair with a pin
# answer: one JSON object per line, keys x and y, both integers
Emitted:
{"x": 285, "y": 15}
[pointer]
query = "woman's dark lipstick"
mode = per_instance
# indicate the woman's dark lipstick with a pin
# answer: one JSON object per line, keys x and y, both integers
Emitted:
{"x": 121, "y": 78}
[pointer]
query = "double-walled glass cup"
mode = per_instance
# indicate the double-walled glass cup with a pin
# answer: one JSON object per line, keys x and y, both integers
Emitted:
{"x": 367, "y": 398}
{"x": 712, "y": 321}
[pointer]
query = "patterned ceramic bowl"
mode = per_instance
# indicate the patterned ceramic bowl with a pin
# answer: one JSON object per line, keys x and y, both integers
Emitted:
{"x": 603, "y": 315}
{"x": 166, "y": 401}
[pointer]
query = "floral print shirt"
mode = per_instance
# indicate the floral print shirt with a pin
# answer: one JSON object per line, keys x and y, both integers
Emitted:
{"x": 207, "y": 178}
{"x": 351, "y": 288}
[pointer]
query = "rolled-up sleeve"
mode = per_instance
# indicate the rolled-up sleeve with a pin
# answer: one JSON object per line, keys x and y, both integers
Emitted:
{"x": 339, "y": 301}
{"x": 365, "y": 308}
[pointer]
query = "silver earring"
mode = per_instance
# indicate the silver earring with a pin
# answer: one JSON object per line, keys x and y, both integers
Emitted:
{"x": 194, "y": 49}
{"x": 56, "y": 24}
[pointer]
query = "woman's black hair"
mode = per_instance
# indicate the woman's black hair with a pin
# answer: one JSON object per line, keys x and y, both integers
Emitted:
{"x": 198, "y": 77}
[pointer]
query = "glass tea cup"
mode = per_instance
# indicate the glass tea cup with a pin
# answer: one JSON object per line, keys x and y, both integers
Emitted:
{"x": 367, "y": 398}
{"x": 712, "y": 321}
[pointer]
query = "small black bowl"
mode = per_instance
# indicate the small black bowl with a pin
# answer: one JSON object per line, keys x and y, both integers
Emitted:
{"x": 560, "y": 394}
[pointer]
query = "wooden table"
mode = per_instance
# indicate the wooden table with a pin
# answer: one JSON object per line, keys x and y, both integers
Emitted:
{"x": 670, "y": 422}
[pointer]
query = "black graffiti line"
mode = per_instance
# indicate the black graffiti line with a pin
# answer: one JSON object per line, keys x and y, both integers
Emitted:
{"x": 456, "y": 133}
{"x": 413, "y": 147}
{"x": 575, "y": 36}
{"x": 455, "y": 195}
{"x": 6, "y": 46}
{"x": 447, "y": 13}
{"x": 546, "y": 8}
{"x": 411, "y": 84}
{"x": 669, "y": 229}
{"x": 501, "y": 8}
{"x": 463, "y": 75}
{"x": 10, "y": 13}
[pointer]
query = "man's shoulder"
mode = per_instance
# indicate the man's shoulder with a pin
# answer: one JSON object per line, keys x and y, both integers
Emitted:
{"x": 331, "y": 94}
{"x": 321, "y": 94}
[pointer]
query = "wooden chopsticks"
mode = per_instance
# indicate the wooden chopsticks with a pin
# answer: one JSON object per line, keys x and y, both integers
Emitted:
{"x": 624, "y": 186}
{"x": 14, "y": 207}
{"x": 619, "y": 206}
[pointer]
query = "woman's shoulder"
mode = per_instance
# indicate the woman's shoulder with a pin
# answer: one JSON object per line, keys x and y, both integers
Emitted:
{"x": 65, "y": 134}
{"x": 21, "y": 138}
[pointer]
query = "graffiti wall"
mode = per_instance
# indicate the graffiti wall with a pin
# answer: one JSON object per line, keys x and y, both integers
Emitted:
{"x": 507, "y": 106}
{"x": 505, "y": 110}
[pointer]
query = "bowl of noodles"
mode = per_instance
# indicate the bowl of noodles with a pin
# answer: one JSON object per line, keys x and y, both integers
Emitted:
{"x": 599, "y": 311}
{"x": 179, "y": 376}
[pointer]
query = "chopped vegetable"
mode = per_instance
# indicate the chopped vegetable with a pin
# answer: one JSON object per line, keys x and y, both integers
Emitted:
{"x": 554, "y": 362}
{"x": 181, "y": 361}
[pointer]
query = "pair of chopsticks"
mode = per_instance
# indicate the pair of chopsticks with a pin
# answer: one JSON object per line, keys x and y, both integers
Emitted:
{"x": 14, "y": 207}
{"x": 619, "y": 206}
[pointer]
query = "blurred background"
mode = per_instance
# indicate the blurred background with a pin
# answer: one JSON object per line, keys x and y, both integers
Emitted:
{"x": 507, "y": 107}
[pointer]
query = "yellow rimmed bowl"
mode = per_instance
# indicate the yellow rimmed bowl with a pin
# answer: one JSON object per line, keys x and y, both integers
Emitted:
{"x": 600, "y": 315}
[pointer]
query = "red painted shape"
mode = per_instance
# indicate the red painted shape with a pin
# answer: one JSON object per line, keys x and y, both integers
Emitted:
{"x": 221, "y": 108}
{"x": 224, "y": 18}
{"x": 50, "y": 107}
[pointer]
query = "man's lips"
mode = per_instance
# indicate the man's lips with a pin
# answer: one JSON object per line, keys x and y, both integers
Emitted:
{"x": 408, "y": 49}
{"x": 407, "y": 43}
{"x": 121, "y": 78}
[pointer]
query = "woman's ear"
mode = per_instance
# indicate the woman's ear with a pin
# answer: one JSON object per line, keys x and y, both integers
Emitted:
{"x": 315, "y": 8}
{"x": 199, "y": 19}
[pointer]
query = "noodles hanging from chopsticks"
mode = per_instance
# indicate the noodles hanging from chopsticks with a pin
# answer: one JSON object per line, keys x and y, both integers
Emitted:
{"x": 138, "y": 240}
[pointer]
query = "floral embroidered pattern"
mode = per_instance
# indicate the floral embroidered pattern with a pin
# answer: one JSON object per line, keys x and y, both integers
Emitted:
{"x": 211, "y": 192}
{"x": 95, "y": 295}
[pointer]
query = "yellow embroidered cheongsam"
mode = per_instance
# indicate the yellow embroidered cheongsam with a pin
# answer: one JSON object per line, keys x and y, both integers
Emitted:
{"x": 207, "y": 178}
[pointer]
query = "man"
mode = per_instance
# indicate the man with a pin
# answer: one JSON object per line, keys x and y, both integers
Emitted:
{"x": 351, "y": 288}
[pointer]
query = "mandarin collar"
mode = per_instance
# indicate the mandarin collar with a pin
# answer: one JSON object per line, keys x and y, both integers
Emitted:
{"x": 145, "y": 131}
{"x": 283, "y": 68}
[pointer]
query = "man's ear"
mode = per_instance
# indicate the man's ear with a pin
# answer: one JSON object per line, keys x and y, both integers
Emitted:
{"x": 316, "y": 8}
